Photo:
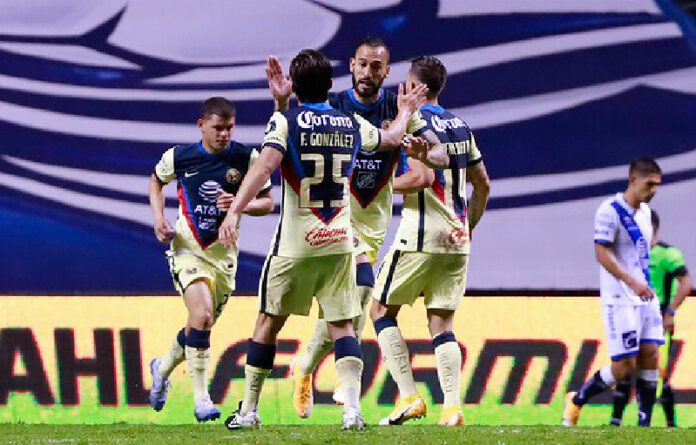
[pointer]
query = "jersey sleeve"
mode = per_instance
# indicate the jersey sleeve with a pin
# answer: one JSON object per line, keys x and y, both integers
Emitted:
{"x": 276, "y": 134}
{"x": 369, "y": 134}
{"x": 675, "y": 262}
{"x": 253, "y": 157}
{"x": 473, "y": 156}
{"x": 164, "y": 170}
{"x": 606, "y": 225}
{"x": 416, "y": 124}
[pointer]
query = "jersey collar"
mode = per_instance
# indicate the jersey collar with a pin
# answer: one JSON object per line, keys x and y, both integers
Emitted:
{"x": 622, "y": 201}
{"x": 319, "y": 106}
{"x": 202, "y": 149}
{"x": 433, "y": 108}
{"x": 357, "y": 103}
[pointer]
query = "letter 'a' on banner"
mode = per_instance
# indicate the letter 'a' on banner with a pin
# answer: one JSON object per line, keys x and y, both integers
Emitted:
{"x": 85, "y": 360}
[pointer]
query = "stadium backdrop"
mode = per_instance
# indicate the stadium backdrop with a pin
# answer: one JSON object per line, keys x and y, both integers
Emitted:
{"x": 561, "y": 96}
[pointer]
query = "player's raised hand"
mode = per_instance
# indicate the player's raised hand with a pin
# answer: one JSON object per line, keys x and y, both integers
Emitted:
{"x": 416, "y": 147}
{"x": 279, "y": 85}
{"x": 412, "y": 100}
{"x": 224, "y": 200}
{"x": 164, "y": 230}
{"x": 227, "y": 233}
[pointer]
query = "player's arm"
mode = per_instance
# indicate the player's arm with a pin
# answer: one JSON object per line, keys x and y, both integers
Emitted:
{"x": 253, "y": 182}
{"x": 684, "y": 285}
{"x": 605, "y": 256}
{"x": 279, "y": 84}
{"x": 392, "y": 137}
{"x": 163, "y": 174}
{"x": 261, "y": 205}
{"x": 427, "y": 149}
{"x": 477, "y": 175}
{"x": 417, "y": 178}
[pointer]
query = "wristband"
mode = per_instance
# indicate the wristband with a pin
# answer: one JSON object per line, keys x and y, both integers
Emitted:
{"x": 669, "y": 311}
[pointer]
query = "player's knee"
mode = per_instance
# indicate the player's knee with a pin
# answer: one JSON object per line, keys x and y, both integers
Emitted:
{"x": 201, "y": 317}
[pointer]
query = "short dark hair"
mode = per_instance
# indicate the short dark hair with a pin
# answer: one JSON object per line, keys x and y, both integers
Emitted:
{"x": 373, "y": 42}
{"x": 655, "y": 219}
{"x": 311, "y": 72}
{"x": 644, "y": 166}
{"x": 218, "y": 105}
{"x": 431, "y": 72}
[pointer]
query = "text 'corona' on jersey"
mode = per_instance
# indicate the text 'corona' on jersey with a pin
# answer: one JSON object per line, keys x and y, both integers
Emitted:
{"x": 308, "y": 120}
{"x": 440, "y": 124}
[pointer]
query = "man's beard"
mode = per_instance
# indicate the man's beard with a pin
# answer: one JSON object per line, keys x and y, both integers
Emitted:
{"x": 371, "y": 90}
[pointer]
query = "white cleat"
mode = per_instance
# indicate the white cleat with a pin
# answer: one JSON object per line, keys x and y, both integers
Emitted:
{"x": 205, "y": 410}
{"x": 238, "y": 421}
{"x": 353, "y": 420}
{"x": 159, "y": 388}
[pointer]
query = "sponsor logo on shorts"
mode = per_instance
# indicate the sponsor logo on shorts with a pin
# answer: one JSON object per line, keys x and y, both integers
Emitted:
{"x": 191, "y": 270}
{"x": 356, "y": 242}
{"x": 321, "y": 236}
{"x": 630, "y": 339}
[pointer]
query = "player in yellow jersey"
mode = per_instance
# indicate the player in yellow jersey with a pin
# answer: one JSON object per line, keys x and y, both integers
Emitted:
{"x": 372, "y": 184}
{"x": 208, "y": 174}
{"x": 430, "y": 255}
{"x": 311, "y": 255}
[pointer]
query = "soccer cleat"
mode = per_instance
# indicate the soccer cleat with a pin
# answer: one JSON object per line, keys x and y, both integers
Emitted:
{"x": 451, "y": 416}
{"x": 238, "y": 421}
{"x": 338, "y": 395}
{"x": 407, "y": 408}
{"x": 205, "y": 410}
{"x": 303, "y": 393}
{"x": 159, "y": 388}
{"x": 571, "y": 412}
{"x": 353, "y": 420}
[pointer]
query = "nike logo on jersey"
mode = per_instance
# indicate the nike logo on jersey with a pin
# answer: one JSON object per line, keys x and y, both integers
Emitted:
{"x": 189, "y": 174}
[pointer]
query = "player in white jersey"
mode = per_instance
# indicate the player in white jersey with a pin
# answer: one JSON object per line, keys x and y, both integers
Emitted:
{"x": 311, "y": 254}
{"x": 208, "y": 174}
{"x": 375, "y": 178}
{"x": 630, "y": 311}
{"x": 430, "y": 254}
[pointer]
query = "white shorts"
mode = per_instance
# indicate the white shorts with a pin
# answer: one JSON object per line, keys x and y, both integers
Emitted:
{"x": 627, "y": 327}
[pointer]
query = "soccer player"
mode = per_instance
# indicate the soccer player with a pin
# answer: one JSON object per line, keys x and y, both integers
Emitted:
{"x": 371, "y": 185}
{"x": 671, "y": 281}
{"x": 311, "y": 255}
{"x": 208, "y": 174}
{"x": 430, "y": 254}
{"x": 630, "y": 313}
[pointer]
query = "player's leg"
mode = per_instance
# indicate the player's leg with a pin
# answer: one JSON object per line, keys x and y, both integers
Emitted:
{"x": 620, "y": 398}
{"x": 443, "y": 294}
{"x": 622, "y": 326}
{"x": 666, "y": 393}
{"x": 651, "y": 336}
{"x": 448, "y": 359}
{"x": 261, "y": 351}
{"x": 161, "y": 368}
{"x": 399, "y": 281}
{"x": 199, "y": 302}
{"x": 339, "y": 302}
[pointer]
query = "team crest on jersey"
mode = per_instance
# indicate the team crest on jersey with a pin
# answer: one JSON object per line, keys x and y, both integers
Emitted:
{"x": 233, "y": 176}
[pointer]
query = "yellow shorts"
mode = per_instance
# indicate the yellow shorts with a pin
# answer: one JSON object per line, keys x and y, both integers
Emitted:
{"x": 288, "y": 285}
{"x": 186, "y": 268}
{"x": 440, "y": 277}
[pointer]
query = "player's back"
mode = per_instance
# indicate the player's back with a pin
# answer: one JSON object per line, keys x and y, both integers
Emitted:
{"x": 319, "y": 145}
{"x": 434, "y": 220}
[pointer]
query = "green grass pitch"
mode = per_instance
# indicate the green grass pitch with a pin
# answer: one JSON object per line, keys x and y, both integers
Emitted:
{"x": 330, "y": 434}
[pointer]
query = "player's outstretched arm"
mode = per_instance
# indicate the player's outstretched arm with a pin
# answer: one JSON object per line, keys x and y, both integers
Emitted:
{"x": 279, "y": 84}
{"x": 408, "y": 103}
{"x": 417, "y": 178}
{"x": 478, "y": 177}
{"x": 253, "y": 182}
{"x": 605, "y": 256}
{"x": 163, "y": 228}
